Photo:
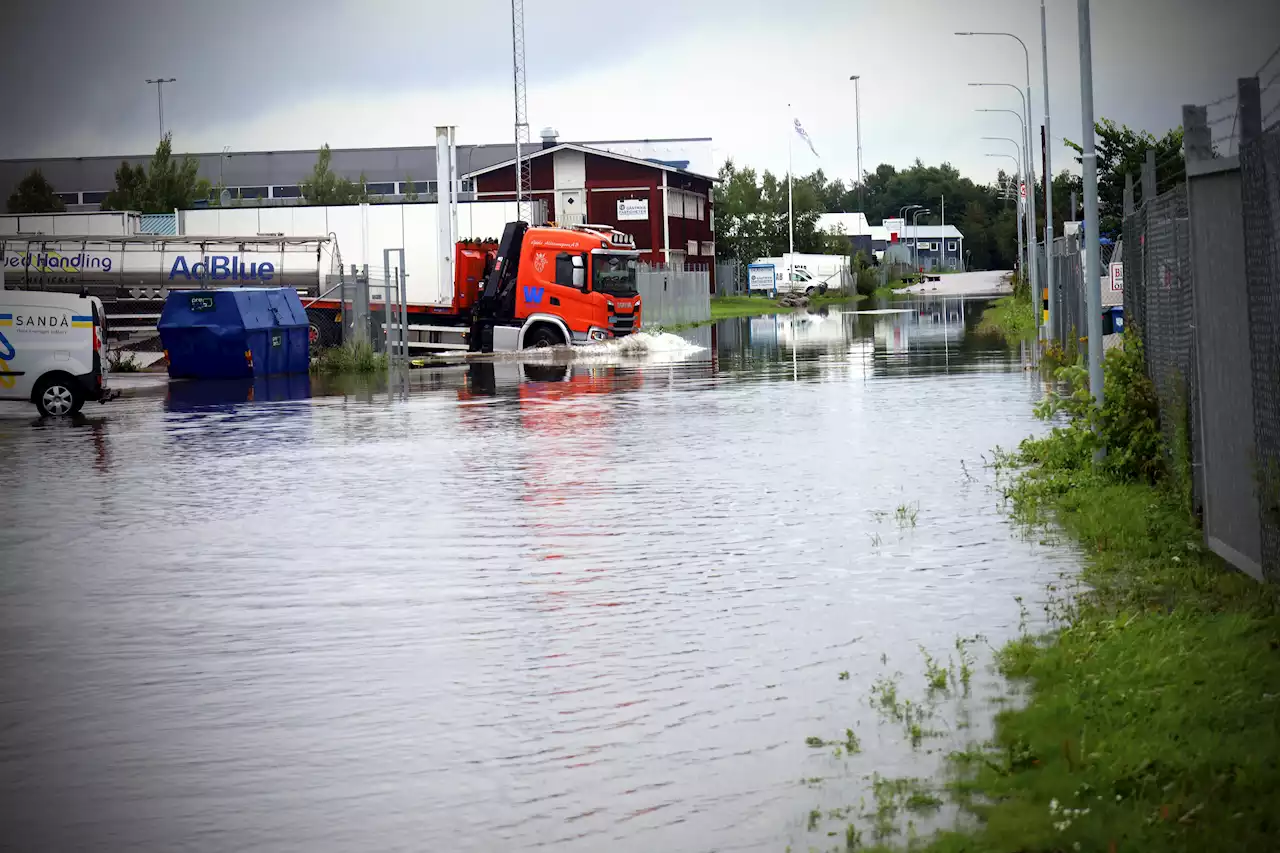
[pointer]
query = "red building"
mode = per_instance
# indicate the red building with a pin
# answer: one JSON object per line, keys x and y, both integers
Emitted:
{"x": 668, "y": 210}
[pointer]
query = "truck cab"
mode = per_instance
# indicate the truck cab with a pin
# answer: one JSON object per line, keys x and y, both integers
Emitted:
{"x": 564, "y": 286}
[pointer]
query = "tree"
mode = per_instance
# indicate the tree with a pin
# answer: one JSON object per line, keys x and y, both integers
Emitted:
{"x": 166, "y": 186}
{"x": 34, "y": 194}
{"x": 1122, "y": 151}
{"x": 411, "y": 189}
{"x": 327, "y": 187}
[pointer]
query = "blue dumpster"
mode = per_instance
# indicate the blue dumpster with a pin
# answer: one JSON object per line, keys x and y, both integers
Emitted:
{"x": 1113, "y": 320}
{"x": 235, "y": 332}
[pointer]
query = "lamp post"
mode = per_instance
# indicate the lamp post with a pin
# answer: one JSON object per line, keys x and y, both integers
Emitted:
{"x": 915, "y": 223}
{"x": 902, "y": 214}
{"x": 1049, "y": 274}
{"x": 857, "y": 118}
{"x": 1026, "y": 64}
{"x": 159, "y": 84}
{"x": 1022, "y": 254}
{"x": 1029, "y": 170}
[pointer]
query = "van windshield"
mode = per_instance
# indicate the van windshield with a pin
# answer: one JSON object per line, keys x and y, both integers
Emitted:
{"x": 615, "y": 274}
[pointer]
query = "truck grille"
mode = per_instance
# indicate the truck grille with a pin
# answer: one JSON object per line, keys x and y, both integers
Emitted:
{"x": 622, "y": 324}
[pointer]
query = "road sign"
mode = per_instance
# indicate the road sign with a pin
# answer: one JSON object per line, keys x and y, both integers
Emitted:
{"x": 1022, "y": 190}
{"x": 1117, "y": 277}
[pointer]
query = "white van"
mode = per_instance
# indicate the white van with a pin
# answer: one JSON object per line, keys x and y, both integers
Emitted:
{"x": 51, "y": 350}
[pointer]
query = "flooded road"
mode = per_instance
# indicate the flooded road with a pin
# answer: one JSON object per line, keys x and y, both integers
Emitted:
{"x": 595, "y": 605}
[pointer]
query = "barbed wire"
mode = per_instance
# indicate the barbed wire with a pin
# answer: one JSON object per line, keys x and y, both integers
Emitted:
{"x": 1272, "y": 81}
{"x": 1221, "y": 100}
{"x": 1220, "y": 119}
{"x": 1270, "y": 58}
{"x": 1274, "y": 111}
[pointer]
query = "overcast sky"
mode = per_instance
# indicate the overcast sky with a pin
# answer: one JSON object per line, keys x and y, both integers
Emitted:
{"x": 296, "y": 73}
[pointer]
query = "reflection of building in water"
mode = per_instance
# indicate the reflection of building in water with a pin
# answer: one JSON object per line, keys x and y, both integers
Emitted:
{"x": 926, "y": 324}
{"x": 803, "y": 330}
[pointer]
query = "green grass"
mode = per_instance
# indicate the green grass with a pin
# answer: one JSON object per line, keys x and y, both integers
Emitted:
{"x": 1010, "y": 317}
{"x": 1153, "y": 713}
{"x": 349, "y": 358}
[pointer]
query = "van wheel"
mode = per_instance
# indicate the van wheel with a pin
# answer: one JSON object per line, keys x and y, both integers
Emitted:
{"x": 59, "y": 397}
{"x": 808, "y": 291}
{"x": 541, "y": 337}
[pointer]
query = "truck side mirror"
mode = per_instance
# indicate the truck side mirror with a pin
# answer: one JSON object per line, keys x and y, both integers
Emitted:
{"x": 579, "y": 273}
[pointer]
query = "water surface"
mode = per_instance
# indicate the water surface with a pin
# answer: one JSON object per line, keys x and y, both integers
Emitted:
{"x": 594, "y": 604}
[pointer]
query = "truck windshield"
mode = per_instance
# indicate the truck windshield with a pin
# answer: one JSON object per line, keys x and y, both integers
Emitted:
{"x": 614, "y": 274}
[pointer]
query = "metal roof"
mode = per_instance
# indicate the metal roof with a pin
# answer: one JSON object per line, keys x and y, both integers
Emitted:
{"x": 599, "y": 152}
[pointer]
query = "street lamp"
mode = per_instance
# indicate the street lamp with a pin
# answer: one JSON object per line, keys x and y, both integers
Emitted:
{"x": 857, "y": 111}
{"x": 159, "y": 84}
{"x": 1029, "y": 169}
{"x": 1022, "y": 252}
{"x": 902, "y": 214}
{"x": 1026, "y": 62}
{"x": 915, "y": 223}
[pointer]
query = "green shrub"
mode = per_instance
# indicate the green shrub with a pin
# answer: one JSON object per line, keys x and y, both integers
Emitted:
{"x": 1127, "y": 426}
{"x": 349, "y": 358}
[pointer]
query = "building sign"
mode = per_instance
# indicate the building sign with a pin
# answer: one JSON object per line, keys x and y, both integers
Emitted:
{"x": 1117, "y": 277}
{"x": 633, "y": 209}
{"x": 895, "y": 227}
{"x": 760, "y": 277}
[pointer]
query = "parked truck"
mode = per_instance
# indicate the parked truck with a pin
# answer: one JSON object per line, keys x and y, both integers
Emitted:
{"x": 539, "y": 286}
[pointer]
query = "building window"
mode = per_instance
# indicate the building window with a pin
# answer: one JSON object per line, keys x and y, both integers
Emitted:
{"x": 431, "y": 187}
{"x": 702, "y": 208}
{"x": 69, "y": 198}
{"x": 286, "y": 192}
{"x": 93, "y": 198}
{"x": 250, "y": 192}
{"x": 382, "y": 188}
{"x": 693, "y": 247}
{"x": 951, "y": 245}
{"x": 468, "y": 185}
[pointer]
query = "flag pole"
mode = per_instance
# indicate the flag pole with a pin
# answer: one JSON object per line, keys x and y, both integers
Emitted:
{"x": 791, "y": 228}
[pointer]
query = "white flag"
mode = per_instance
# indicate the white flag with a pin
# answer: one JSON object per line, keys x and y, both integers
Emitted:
{"x": 805, "y": 136}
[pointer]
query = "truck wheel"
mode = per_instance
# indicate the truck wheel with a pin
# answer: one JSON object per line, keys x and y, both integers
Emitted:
{"x": 58, "y": 397}
{"x": 808, "y": 291}
{"x": 541, "y": 337}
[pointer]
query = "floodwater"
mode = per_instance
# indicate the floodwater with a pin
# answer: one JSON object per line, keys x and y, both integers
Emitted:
{"x": 583, "y": 604}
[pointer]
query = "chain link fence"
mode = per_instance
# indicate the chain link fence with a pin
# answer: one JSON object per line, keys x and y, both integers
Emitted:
{"x": 674, "y": 294}
{"x": 1159, "y": 306}
{"x": 1260, "y": 196}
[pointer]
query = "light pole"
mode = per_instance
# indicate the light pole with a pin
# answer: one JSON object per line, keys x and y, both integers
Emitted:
{"x": 1092, "y": 263}
{"x": 1022, "y": 253}
{"x": 1029, "y": 171}
{"x": 159, "y": 84}
{"x": 915, "y": 223}
{"x": 1048, "y": 185}
{"x": 857, "y": 113}
{"x": 902, "y": 214}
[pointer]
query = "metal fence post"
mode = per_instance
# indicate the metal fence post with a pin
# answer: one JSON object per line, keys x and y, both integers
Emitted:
{"x": 1149, "y": 186}
{"x": 1197, "y": 139}
{"x": 1249, "y": 102}
{"x": 1128, "y": 193}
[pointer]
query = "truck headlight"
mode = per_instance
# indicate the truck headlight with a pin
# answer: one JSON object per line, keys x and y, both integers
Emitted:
{"x": 598, "y": 335}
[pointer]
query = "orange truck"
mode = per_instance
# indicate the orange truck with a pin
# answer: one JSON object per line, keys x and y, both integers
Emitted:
{"x": 539, "y": 286}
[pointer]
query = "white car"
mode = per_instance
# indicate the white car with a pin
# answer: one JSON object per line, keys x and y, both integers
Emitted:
{"x": 51, "y": 350}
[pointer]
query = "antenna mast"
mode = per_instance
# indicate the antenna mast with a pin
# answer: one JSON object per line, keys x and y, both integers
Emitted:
{"x": 524, "y": 171}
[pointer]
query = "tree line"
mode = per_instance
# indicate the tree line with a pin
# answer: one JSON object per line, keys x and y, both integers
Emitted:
{"x": 751, "y": 207}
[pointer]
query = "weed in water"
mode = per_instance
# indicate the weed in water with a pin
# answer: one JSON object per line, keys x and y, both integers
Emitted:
{"x": 844, "y": 676}
{"x": 851, "y": 743}
{"x": 965, "y": 672}
{"x": 906, "y": 514}
{"x": 815, "y": 742}
{"x": 935, "y": 674}
{"x": 852, "y": 838}
{"x": 349, "y": 358}
{"x": 876, "y": 541}
{"x": 814, "y": 816}
{"x": 119, "y": 361}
